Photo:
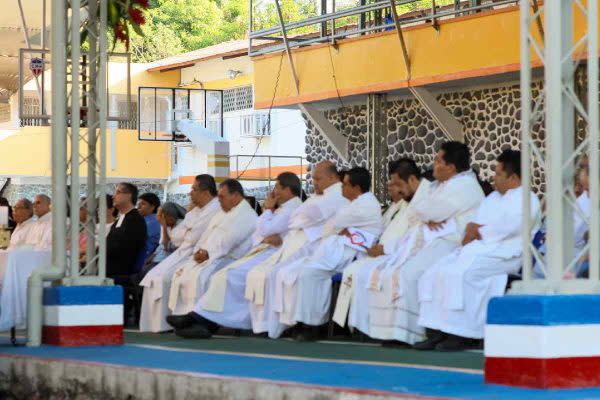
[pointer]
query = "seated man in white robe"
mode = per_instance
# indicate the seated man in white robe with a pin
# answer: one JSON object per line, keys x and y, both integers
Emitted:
{"x": 40, "y": 235}
{"x": 454, "y": 293}
{"x": 303, "y": 292}
{"x": 442, "y": 213}
{"x": 184, "y": 237}
{"x": 405, "y": 179}
{"x": 224, "y": 303}
{"x": 227, "y": 238}
{"x": 397, "y": 203}
{"x": 23, "y": 216}
{"x": 307, "y": 227}
{"x": 583, "y": 202}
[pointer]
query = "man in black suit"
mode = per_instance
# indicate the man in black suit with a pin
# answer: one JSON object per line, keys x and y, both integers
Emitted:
{"x": 127, "y": 234}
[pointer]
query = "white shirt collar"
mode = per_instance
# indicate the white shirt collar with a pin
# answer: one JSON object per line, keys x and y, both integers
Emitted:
{"x": 45, "y": 217}
{"x": 335, "y": 187}
{"x": 291, "y": 202}
{"x": 26, "y": 222}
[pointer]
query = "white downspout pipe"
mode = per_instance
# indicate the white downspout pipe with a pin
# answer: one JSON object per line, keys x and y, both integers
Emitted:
{"x": 59, "y": 178}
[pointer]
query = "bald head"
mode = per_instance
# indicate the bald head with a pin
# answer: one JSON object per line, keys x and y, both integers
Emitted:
{"x": 41, "y": 205}
{"x": 324, "y": 175}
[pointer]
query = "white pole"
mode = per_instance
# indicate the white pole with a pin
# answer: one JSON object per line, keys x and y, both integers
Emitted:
{"x": 559, "y": 134}
{"x": 75, "y": 122}
{"x": 59, "y": 178}
{"x": 594, "y": 138}
{"x": 102, "y": 107}
{"x": 525, "y": 134}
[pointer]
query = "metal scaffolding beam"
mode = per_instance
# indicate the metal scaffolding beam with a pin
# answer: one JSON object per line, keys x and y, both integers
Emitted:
{"x": 79, "y": 113}
{"x": 377, "y": 144}
{"x": 556, "y": 108}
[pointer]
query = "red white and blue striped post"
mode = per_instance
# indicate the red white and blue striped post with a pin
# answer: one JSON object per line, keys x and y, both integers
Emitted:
{"x": 543, "y": 341}
{"x": 83, "y": 315}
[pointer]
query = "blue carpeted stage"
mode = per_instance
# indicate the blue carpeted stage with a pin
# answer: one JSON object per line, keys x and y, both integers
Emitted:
{"x": 148, "y": 370}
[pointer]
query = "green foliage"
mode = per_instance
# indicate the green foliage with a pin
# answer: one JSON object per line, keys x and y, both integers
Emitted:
{"x": 177, "y": 26}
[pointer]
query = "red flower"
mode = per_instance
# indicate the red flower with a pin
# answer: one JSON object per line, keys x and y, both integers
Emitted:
{"x": 144, "y": 3}
{"x": 137, "y": 16}
{"x": 120, "y": 33}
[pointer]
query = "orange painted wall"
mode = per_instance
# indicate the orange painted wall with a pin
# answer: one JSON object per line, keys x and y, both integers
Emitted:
{"x": 466, "y": 47}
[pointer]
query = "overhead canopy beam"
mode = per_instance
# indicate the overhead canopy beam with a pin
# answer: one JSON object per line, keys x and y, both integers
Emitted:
{"x": 447, "y": 123}
{"x": 453, "y": 129}
{"x": 338, "y": 142}
{"x": 401, "y": 38}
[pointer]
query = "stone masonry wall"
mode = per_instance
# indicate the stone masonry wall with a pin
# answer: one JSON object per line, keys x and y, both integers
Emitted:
{"x": 14, "y": 192}
{"x": 491, "y": 117}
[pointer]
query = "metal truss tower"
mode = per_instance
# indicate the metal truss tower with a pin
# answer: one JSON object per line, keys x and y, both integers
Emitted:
{"x": 79, "y": 114}
{"x": 560, "y": 53}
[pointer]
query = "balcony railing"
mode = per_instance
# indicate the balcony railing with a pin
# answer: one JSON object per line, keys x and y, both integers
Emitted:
{"x": 355, "y": 18}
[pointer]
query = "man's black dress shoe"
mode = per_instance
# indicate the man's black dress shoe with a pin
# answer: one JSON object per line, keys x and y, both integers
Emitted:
{"x": 180, "y": 321}
{"x": 197, "y": 331}
{"x": 433, "y": 338}
{"x": 454, "y": 343}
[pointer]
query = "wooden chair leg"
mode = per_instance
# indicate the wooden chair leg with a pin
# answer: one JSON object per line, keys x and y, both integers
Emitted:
{"x": 330, "y": 324}
{"x": 13, "y": 336}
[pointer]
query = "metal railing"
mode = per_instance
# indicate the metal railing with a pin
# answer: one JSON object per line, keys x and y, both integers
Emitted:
{"x": 265, "y": 168}
{"x": 363, "y": 19}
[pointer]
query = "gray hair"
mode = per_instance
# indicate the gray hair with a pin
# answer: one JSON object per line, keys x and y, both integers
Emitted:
{"x": 27, "y": 204}
{"x": 173, "y": 210}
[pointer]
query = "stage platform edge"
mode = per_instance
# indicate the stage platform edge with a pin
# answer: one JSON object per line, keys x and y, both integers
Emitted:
{"x": 28, "y": 376}
{"x": 543, "y": 341}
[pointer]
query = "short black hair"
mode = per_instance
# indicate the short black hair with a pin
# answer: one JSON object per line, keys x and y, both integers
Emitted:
{"x": 109, "y": 201}
{"x": 233, "y": 186}
{"x": 359, "y": 176}
{"x": 254, "y": 204}
{"x": 109, "y": 205}
{"x": 152, "y": 199}
{"x": 131, "y": 189}
{"x": 511, "y": 162}
{"x": 207, "y": 182}
{"x": 404, "y": 168}
{"x": 291, "y": 181}
{"x": 457, "y": 154}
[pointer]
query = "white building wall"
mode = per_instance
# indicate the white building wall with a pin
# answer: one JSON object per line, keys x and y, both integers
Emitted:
{"x": 287, "y": 133}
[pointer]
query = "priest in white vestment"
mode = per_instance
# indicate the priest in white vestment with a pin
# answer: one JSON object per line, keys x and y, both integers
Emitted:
{"x": 455, "y": 292}
{"x": 442, "y": 212}
{"x": 307, "y": 227}
{"x": 224, "y": 303}
{"x": 303, "y": 287}
{"x": 406, "y": 181}
{"x": 23, "y": 216}
{"x": 583, "y": 202}
{"x": 40, "y": 235}
{"x": 397, "y": 202}
{"x": 184, "y": 236}
{"x": 227, "y": 238}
